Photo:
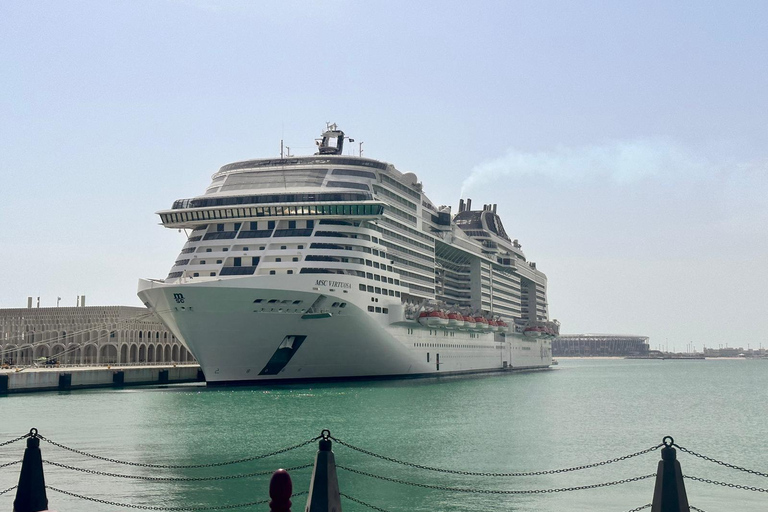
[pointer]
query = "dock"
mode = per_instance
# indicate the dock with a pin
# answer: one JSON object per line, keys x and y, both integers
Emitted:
{"x": 56, "y": 378}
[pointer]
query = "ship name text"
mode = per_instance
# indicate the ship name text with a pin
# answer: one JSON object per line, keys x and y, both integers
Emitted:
{"x": 333, "y": 284}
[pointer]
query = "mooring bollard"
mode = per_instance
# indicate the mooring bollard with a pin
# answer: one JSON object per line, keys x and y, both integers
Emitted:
{"x": 324, "y": 488}
{"x": 280, "y": 490}
{"x": 669, "y": 494}
{"x": 30, "y": 494}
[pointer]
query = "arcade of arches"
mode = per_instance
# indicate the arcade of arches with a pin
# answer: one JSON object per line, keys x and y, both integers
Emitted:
{"x": 87, "y": 335}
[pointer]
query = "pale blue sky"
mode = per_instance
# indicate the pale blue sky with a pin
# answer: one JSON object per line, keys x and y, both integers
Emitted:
{"x": 624, "y": 141}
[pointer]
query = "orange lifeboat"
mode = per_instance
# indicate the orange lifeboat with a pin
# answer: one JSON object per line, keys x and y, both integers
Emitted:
{"x": 455, "y": 320}
{"x": 532, "y": 331}
{"x": 469, "y": 322}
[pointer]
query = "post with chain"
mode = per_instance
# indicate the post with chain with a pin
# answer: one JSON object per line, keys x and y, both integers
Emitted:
{"x": 280, "y": 490}
{"x": 669, "y": 494}
{"x": 30, "y": 494}
{"x": 324, "y": 489}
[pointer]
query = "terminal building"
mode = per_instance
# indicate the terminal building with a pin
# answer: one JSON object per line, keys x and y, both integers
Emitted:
{"x": 586, "y": 345}
{"x": 103, "y": 335}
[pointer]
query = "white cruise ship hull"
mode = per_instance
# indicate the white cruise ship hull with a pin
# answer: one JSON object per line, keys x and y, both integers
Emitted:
{"x": 268, "y": 328}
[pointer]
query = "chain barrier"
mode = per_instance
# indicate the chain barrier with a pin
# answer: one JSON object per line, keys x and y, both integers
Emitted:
{"x": 11, "y": 441}
{"x": 8, "y": 490}
{"x": 9, "y": 464}
{"x": 176, "y": 466}
{"x": 638, "y": 509}
{"x": 495, "y": 491}
{"x": 726, "y": 464}
{"x": 164, "y": 509}
{"x": 726, "y": 484}
{"x": 361, "y": 502}
{"x": 170, "y": 478}
{"x": 477, "y": 473}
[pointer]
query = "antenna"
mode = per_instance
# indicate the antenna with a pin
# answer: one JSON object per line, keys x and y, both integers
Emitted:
{"x": 360, "y": 144}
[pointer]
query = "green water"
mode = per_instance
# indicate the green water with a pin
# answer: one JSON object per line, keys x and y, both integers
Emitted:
{"x": 583, "y": 411}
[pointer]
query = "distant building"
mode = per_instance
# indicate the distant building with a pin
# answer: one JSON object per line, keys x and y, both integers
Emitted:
{"x": 87, "y": 335}
{"x": 599, "y": 345}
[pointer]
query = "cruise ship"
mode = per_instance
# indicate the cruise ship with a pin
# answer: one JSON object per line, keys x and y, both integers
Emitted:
{"x": 337, "y": 266}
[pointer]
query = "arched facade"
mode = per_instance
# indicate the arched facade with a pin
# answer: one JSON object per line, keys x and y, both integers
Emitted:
{"x": 98, "y": 335}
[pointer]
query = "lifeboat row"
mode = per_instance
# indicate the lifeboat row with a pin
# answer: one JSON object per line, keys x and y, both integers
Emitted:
{"x": 542, "y": 330}
{"x": 452, "y": 320}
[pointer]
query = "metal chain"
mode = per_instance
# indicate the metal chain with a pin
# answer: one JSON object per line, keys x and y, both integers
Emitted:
{"x": 476, "y": 473}
{"x": 165, "y": 509}
{"x": 710, "y": 459}
{"x": 175, "y": 466}
{"x": 494, "y": 491}
{"x": 361, "y": 502}
{"x": 726, "y": 484}
{"x": 8, "y": 490}
{"x": 695, "y": 508}
{"x": 9, "y": 464}
{"x": 14, "y": 440}
{"x": 173, "y": 479}
{"x": 647, "y": 505}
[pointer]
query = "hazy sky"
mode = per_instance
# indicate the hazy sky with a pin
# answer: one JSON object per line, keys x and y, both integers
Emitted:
{"x": 624, "y": 141}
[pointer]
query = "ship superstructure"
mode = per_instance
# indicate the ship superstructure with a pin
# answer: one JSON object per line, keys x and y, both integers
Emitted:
{"x": 330, "y": 266}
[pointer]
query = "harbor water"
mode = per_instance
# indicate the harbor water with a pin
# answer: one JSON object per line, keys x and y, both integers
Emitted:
{"x": 580, "y": 412}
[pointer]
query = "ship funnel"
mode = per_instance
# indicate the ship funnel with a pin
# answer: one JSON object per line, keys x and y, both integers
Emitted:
{"x": 469, "y": 205}
{"x": 461, "y": 205}
{"x": 29, "y": 302}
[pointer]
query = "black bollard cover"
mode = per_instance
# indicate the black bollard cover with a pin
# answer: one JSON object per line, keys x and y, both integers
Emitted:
{"x": 669, "y": 494}
{"x": 324, "y": 488}
{"x": 30, "y": 495}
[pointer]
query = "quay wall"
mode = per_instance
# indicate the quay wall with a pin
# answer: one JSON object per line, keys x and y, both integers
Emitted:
{"x": 62, "y": 379}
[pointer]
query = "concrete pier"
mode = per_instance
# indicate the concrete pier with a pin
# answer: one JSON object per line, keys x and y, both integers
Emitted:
{"x": 82, "y": 377}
